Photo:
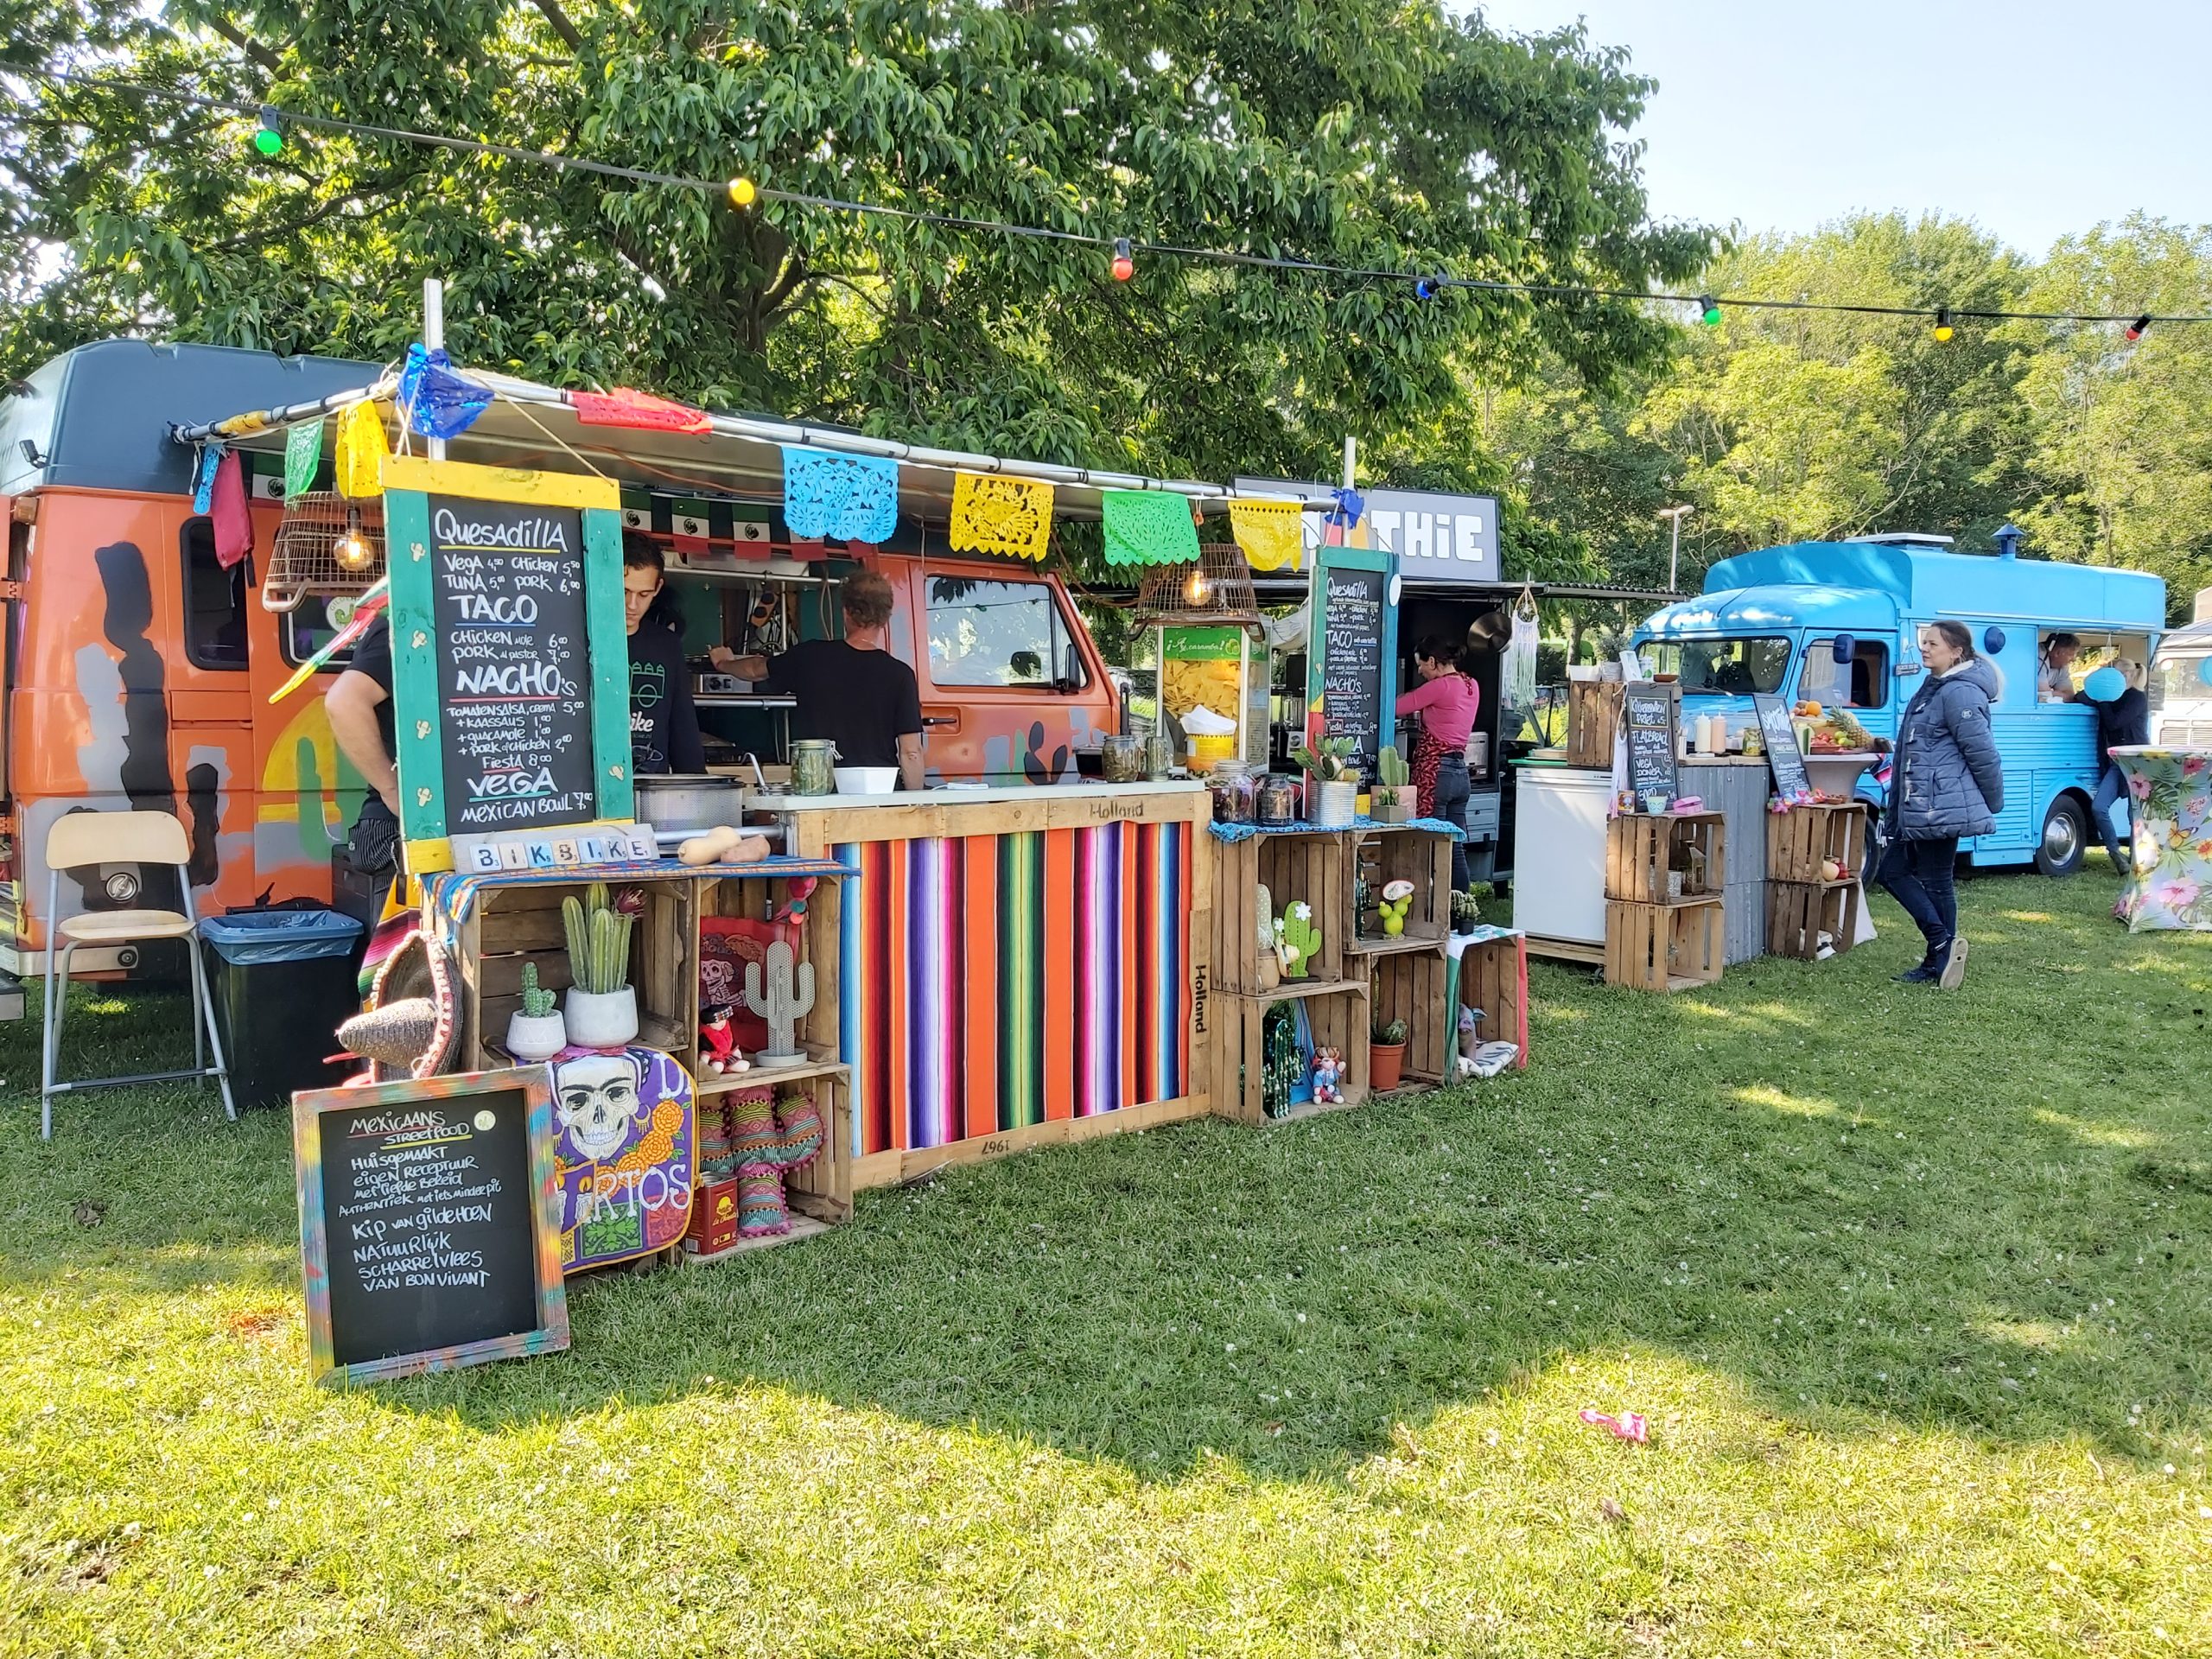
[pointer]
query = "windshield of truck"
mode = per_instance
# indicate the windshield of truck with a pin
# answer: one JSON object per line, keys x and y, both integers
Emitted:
{"x": 1734, "y": 667}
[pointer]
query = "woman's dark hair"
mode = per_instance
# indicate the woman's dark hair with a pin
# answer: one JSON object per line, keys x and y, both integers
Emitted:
{"x": 1955, "y": 635}
{"x": 641, "y": 553}
{"x": 1438, "y": 648}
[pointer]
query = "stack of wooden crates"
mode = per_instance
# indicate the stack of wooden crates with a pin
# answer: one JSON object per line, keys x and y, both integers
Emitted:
{"x": 1815, "y": 858}
{"x": 1666, "y": 875}
{"x": 1406, "y": 974}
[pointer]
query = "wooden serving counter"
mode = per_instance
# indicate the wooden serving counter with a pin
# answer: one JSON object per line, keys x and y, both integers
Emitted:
{"x": 1017, "y": 967}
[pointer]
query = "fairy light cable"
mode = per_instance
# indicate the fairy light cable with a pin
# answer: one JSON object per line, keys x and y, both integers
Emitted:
{"x": 745, "y": 192}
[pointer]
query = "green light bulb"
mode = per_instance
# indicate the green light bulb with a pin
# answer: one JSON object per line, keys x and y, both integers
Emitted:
{"x": 1708, "y": 311}
{"x": 268, "y": 142}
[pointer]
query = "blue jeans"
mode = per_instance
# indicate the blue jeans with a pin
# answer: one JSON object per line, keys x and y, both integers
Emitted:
{"x": 2112, "y": 786}
{"x": 1450, "y": 803}
{"x": 1918, "y": 874}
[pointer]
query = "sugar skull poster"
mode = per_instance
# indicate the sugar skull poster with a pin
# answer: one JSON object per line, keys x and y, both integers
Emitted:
{"x": 626, "y": 1149}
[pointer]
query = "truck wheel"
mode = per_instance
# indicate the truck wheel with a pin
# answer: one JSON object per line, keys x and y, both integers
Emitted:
{"x": 2065, "y": 837}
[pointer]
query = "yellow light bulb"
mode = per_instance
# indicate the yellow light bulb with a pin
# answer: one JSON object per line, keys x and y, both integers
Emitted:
{"x": 1195, "y": 588}
{"x": 352, "y": 549}
{"x": 743, "y": 192}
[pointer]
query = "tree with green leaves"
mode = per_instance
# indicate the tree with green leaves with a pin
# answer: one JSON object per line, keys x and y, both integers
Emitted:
{"x": 1367, "y": 133}
{"x": 2121, "y": 431}
{"x": 1793, "y": 425}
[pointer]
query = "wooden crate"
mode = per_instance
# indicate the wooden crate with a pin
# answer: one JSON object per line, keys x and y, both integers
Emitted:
{"x": 1494, "y": 980}
{"x": 1292, "y": 865}
{"x": 511, "y": 927}
{"x": 1414, "y": 986}
{"x": 1380, "y": 855}
{"x": 1799, "y": 839}
{"x": 1664, "y": 947}
{"x": 1642, "y": 850}
{"x": 1339, "y": 1013}
{"x": 1798, "y": 912}
{"x": 1593, "y": 722}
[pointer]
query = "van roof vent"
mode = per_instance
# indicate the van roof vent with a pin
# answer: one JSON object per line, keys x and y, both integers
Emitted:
{"x": 1907, "y": 538}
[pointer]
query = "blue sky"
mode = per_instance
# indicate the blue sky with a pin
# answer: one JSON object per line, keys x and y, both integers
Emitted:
{"x": 2032, "y": 118}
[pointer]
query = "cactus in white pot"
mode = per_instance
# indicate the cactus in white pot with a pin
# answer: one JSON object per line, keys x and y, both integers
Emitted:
{"x": 536, "y": 1032}
{"x": 601, "y": 1005}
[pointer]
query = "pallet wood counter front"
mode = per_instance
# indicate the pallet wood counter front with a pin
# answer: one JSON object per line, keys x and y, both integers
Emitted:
{"x": 1022, "y": 967}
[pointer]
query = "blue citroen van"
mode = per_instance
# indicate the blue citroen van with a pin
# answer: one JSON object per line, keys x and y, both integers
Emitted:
{"x": 1838, "y": 622}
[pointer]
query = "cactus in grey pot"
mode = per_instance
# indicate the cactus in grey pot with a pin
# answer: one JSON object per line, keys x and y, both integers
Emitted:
{"x": 787, "y": 998}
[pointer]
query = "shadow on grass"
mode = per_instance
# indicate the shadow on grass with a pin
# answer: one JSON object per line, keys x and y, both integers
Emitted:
{"x": 1966, "y": 1211}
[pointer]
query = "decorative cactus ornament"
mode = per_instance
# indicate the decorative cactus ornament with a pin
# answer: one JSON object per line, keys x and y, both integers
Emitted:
{"x": 599, "y": 941}
{"x": 1296, "y": 939}
{"x": 787, "y": 998}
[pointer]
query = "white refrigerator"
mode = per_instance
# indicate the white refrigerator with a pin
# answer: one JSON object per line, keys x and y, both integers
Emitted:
{"x": 1559, "y": 853}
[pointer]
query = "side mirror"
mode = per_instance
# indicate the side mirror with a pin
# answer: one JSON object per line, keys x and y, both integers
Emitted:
{"x": 1844, "y": 648}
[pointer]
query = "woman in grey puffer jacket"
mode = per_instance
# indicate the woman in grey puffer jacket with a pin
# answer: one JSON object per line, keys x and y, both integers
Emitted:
{"x": 1945, "y": 782}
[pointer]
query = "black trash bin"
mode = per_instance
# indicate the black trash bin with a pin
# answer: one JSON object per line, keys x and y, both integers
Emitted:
{"x": 283, "y": 981}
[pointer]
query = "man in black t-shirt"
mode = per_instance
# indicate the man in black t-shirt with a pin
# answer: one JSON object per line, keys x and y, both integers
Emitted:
{"x": 853, "y": 691}
{"x": 664, "y": 719}
{"x": 359, "y": 704}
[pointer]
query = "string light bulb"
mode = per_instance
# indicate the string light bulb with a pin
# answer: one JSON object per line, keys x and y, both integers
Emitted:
{"x": 1943, "y": 330}
{"x": 1125, "y": 264}
{"x": 1708, "y": 311}
{"x": 1195, "y": 589}
{"x": 352, "y": 549}
{"x": 743, "y": 192}
{"x": 2140, "y": 328}
{"x": 269, "y": 139}
{"x": 1425, "y": 289}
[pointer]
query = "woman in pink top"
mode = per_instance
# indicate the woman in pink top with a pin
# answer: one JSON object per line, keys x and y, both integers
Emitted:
{"x": 1448, "y": 700}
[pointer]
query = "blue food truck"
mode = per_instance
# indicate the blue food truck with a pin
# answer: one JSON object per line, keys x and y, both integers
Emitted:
{"x": 1837, "y": 623}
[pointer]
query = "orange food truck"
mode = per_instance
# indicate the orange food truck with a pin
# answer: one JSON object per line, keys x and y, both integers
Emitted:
{"x": 137, "y": 669}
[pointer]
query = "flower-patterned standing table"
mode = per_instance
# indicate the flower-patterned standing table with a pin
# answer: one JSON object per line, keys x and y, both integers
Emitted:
{"x": 2170, "y": 792}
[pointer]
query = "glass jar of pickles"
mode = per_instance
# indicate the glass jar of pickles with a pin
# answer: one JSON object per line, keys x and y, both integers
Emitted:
{"x": 1230, "y": 783}
{"x": 1120, "y": 760}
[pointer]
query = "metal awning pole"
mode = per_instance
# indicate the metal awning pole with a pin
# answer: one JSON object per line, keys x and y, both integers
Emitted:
{"x": 434, "y": 338}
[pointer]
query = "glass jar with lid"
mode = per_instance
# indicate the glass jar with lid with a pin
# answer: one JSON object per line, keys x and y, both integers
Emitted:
{"x": 1276, "y": 799}
{"x": 1121, "y": 759}
{"x": 1230, "y": 783}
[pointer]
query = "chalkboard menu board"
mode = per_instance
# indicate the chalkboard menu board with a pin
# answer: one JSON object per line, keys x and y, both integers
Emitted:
{"x": 510, "y": 672}
{"x": 513, "y": 663}
{"x": 1784, "y": 759}
{"x": 1354, "y": 635}
{"x": 429, "y": 1227}
{"x": 1651, "y": 714}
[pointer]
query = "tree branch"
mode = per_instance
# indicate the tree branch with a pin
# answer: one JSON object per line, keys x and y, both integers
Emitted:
{"x": 773, "y": 296}
{"x": 557, "y": 20}
{"x": 362, "y": 193}
{"x": 245, "y": 42}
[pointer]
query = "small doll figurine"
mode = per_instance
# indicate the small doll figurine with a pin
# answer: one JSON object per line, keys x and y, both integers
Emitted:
{"x": 1328, "y": 1077}
{"x": 718, "y": 1050}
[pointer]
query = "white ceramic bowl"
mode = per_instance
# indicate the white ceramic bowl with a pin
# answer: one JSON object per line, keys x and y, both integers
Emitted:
{"x": 867, "y": 780}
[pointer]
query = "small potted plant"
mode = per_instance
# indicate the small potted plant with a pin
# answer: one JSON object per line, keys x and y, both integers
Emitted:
{"x": 601, "y": 1005}
{"x": 1394, "y": 799}
{"x": 1386, "y": 1055}
{"x": 536, "y": 1030}
{"x": 1336, "y": 794}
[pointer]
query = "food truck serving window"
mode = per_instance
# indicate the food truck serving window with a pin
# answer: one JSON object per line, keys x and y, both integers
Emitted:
{"x": 1731, "y": 667}
{"x": 986, "y": 633}
{"x": 1862, "y": 682}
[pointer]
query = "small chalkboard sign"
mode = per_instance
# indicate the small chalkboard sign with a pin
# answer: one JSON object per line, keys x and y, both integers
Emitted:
{"x": 429, "y": 1223}
{"x": 509, "y": 659}
{"x": 1353, "y": 642}
{"x": 1784, "y": 759}
{"x": 1650, "y": 717}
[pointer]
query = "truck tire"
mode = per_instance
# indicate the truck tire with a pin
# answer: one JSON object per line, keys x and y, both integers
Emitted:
{"x": 2065, "y": 837}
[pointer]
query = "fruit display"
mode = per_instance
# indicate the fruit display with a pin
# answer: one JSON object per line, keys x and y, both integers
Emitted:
{"x": 1835, "y": 732}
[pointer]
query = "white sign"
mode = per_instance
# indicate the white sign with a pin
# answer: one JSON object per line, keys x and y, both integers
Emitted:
{"x": 1437, "y": 537}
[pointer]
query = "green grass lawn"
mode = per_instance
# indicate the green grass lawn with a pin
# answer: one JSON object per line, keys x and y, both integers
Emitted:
{"x": 1913, "y": 1289}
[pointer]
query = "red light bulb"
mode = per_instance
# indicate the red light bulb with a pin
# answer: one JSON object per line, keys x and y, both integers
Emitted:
{"x": 1125, "y": 266}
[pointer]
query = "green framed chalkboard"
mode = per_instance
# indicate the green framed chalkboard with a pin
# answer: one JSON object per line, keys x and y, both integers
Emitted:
{"x": 511, "y": 664}
{"x": 1351, "y": 658}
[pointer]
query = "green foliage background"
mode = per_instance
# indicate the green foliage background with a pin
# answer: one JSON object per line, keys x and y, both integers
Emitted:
{"x": 1366, "y": 133}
